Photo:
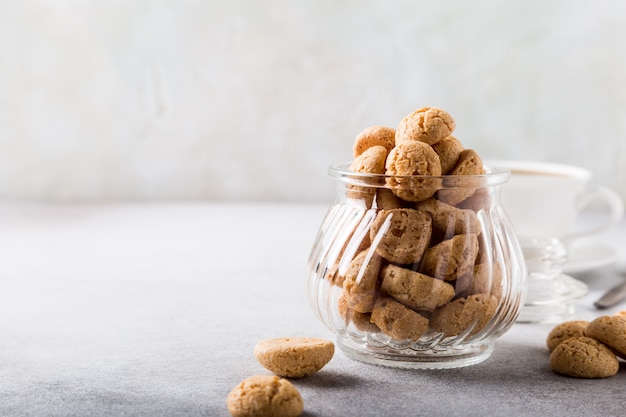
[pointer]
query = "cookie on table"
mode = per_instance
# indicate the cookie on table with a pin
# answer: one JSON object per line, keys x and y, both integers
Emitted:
{"x": 451, "y": 258}
{"x": 449, "y": 150}
{"x": 411, "y": 166}
{"x": 428, "y": 125}
{"x": 583, "y": 357}
{"x": 294, "y": 357}
{"x": 415, "y": 290}
{"x": 457, "y": 316}
{"x": 265, "y": 396}
{"x": 564, "y": 331}
{"x": 469, "y": 163}
{"x": 610, "y": 330}
{"x": 401, "y": 235}
{"x": 449, "y": 220}
{"x": 374, "y": 136}
{"x": 397, "y": 321}
{"x": 360, "y": 285}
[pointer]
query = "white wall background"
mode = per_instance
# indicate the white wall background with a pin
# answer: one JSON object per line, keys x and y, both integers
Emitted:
{"x": 246, "y": 99}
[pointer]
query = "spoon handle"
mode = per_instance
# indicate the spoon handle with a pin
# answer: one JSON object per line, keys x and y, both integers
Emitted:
{"x": 612, "y": 297}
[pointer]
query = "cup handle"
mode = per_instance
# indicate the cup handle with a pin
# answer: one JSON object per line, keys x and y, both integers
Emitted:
{"x": 611, "y": 198}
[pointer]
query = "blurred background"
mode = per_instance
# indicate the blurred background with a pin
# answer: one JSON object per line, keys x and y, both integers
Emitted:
{"x": 250, "y": 100}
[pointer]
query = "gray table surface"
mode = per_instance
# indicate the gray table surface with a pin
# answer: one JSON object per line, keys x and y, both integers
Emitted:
{"x": 154, "y": 310}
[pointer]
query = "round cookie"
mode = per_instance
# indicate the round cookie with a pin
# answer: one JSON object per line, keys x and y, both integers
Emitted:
{"x": 564, "y": 331}
{"x": 469, "y": 163}
{"x": 411, "y": 166}
{"x": 482, "y": 199}
{"x": 387, "y": 200}
{"x": 336, "y": 275}
{"x": 610, "y": 330}
{"x": 451, "y": 258}
{"x": 265, "y": 396}
{"x": 371, "y": 161}
{"x": 360, "y": 320}
{"x": 449, "y": 220}
{"x": 583, "y": 357}
{"x": 487, "y": 279}
{"x": 342, "y": 251}
{"x": 398, "y": 321}
{"x": 415, "y": 290}
{"x": 457, "y": 316}
{"x": 449, "y": 150}
{"x": 294, "y": 357}
{"x": 374, "y": 136}
{"x": 360, "y": 285}
{"x": 428, "y": 125}
{"x": 401, "y": 235}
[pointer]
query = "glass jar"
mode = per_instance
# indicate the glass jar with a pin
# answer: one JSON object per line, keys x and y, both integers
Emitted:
{"x": 417, "y": 271}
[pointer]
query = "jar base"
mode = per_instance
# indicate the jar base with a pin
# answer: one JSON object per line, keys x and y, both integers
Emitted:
{"x": 456, "y": 357}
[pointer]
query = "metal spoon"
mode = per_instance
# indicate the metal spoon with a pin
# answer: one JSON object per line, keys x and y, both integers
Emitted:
{"x": 612, "y": 297}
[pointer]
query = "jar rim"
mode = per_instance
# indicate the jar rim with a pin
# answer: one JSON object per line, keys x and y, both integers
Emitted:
{"x": 492, "y": 176}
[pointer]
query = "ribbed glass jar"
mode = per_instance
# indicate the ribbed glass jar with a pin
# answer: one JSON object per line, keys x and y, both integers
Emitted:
{"x": 417, "y": 272}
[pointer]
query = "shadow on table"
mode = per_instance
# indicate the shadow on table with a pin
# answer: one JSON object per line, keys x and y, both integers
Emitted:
{"x": 331, "y": 379}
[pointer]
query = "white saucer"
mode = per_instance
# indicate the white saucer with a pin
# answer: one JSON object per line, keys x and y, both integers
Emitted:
{"x": 587, "y": 255}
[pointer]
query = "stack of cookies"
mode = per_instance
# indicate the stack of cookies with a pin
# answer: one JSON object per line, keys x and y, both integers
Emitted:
{"x": 584, "y": 349}
{"x": 423, "y": 265}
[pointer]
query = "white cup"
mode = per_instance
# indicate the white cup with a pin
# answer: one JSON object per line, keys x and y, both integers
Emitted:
{"x": 543, "y": 199}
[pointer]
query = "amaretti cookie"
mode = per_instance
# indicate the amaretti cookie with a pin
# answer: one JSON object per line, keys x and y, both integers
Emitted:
{"x": 428, "y": 125}
{"x": 397, "y": 321}
{"x": 449, "y": 220}
{"x": 451, "y": 258}
{"x": 411, "y": 167}
{"x": 486, "y": 278}
{"x": 415, "y": 290}
{"x": 469, "y": 163}
{"x": 459, "y": 315}
{"x": 583, "y": 357}
{"x": 610, "y": 330}
{"x": 371, "y": 161}
{"x": 360, "y": 320}
{"x": 374, "y": 136}
{"x": 264, "y": 396}
{"x": 449, "y": 150}
{"x": 401, "y": 235}
{"x": 344, "y": 251}
{"x": 564, "y": 331}
{"x": 294, "y": 357}
{"x": 360, "y": 285}
{"x": 387, "y": 200}
{"x": 481, "y": 199}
